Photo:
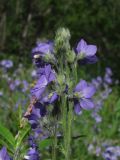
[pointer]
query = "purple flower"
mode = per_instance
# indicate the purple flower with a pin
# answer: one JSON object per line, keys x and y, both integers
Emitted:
{"x": 86, "y": 53}
{"x": 3, "y": 154}
{"x": 48, "y": 72}
{"x": 12, "y": 86}
{"x": 42, "y": 109}
{"x": 38, "y": 111}
{"x": 32, "y": 154}
{"x": 40, "y": 87}
{"x": 107, "y": 79}
{"x": 17, "y": 82}
{"x": 108, "y": 71}
{"x": 46, "y": 76}
{"x": 86, "y": 50}
{"x": 97, "y": 117}
{"x": 83, "y": 94}
{"x": 42, "y": 48}
{"x": 25, "y": 86}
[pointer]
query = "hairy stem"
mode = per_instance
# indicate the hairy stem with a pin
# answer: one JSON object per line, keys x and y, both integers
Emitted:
{"x": 54, "y": 142}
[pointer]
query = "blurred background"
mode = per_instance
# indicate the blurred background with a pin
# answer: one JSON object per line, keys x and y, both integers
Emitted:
{"x": 22, "y": 22}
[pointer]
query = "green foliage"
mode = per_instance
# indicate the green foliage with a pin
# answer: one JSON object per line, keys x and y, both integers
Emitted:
{"x": 45, "y": 143}
{"x": 22, "y": 22}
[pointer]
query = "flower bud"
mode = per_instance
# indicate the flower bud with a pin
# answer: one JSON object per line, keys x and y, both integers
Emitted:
{"x": 61, "y": 79}
{"x": 62, "y": 40}
{"x": 71, "y": 56}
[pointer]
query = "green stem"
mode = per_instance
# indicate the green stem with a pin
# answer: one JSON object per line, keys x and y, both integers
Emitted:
{"x": 64, "y": 119}
{"x": 67, "y": 116}
{"x": 69, "y": 130}
{"x": 54, "y": 142}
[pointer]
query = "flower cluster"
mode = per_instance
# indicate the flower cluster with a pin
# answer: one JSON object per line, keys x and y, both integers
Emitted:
{"x": 56, "y": 68}
{"x": 105, "y": 150}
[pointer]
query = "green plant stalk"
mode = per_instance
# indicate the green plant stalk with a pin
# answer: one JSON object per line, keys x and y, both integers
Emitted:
{"x": 54, "y": 142}
{"x": 69, "y": 130}
{"x": 67, "y": 117}
{"x": 64, "y": 124}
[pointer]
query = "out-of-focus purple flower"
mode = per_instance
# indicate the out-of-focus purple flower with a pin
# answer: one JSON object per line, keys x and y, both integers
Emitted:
{"x": 1, "y": 93}
{"x": 97, "y": 82}
{"x": 6, "y": 63}
{"x": 97, "y": 117}
{"x": 86, "y": 53}
{"x": 98, "y": 151}
{"x": 42, "y": 48}
{"x": 111, "y": 153}
{"x": 83, "y": 96}
{"x": 105, "y": 93}
{"x": 3, "y": 154}
{"x": 17, "y": 82}
{"x": 12, "y": 86}
{"x": 25, "y": 86}
{"x": 46, "y": 77}
{"x": 107, "y": 79}
{"x": 108, "y": 71}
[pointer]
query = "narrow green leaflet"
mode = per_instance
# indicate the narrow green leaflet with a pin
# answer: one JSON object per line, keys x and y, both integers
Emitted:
{"x": 3, "y": 143}
{"x": 21, "y": 135}
{"x": 7, "y": 135}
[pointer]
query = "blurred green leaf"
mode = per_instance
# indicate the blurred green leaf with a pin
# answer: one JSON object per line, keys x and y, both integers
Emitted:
{"x": 21, "y": 135}
{"x": 7, "y": 135}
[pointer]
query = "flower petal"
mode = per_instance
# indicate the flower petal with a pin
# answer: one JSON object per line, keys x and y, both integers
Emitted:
{"x": 91, "y": 50}
{"x": 81, "y": 85}
{"x": 4, "y": 154}
{"x": 88, "y": 60}
{"x": 81, "y": 47}
{"x": 86, "y": 104}
{"x": 88, "y": 92}
{"x": 47, "y": 71}
{"x": 37, "y": 93}
{"x": 77, "y": 109}
{"x": 54, "y": 97}
{"x": 39, "y": 88}
{"x": 50, "y": 75}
